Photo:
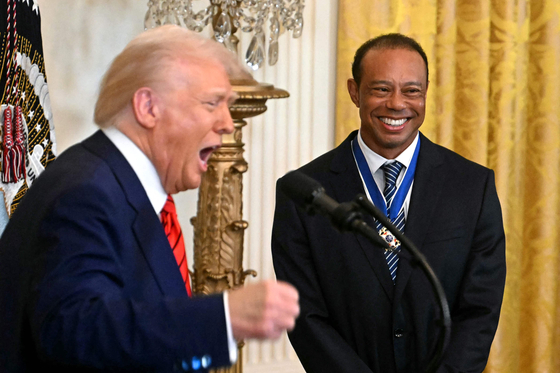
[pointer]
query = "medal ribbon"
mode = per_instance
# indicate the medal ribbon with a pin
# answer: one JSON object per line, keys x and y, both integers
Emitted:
{"x": 374, "y": 192}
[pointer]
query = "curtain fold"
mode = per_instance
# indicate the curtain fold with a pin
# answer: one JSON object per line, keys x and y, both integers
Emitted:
{"x": 494, "y": 97}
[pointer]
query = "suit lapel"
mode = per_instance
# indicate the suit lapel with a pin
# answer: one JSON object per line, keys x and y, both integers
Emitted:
{"x": 425, "y": 195}
{"x": 346, "y": 184}
{"x": 155, "y": 247}
{"x": 147, "y": 228}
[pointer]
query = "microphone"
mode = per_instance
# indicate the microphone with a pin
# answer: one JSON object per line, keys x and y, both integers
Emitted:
{"x": 309, "y": 194}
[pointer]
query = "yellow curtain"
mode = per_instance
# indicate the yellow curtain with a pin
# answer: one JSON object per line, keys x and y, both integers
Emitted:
{"x": 494, "y": 97}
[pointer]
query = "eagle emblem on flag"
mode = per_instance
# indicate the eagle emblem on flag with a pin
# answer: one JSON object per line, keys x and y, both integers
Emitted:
{"x": 27, "y": 141}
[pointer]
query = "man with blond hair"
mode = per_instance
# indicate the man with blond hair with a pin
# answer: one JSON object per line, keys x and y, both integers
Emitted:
{"x": 90, "y": 279}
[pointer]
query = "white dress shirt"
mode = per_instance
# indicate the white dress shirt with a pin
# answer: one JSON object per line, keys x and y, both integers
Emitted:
{"x": 149, "y": 178}
{"x": 375, "y": 162}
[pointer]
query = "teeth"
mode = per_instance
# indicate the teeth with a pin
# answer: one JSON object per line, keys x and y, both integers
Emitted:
{"x": 393, "y": 122}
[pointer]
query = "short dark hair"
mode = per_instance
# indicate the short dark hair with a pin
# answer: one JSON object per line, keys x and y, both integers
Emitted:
{"x": 387, "y": 41}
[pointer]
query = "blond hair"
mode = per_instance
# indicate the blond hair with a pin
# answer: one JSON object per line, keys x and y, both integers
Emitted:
{"x": 145, "y": 60}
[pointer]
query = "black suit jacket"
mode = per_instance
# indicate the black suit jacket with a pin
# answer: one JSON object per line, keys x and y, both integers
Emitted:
{"x": 88, "y": 279}
{"x": 353, "y": 319}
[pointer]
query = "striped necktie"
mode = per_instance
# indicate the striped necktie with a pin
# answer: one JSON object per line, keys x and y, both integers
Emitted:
{"x": 392, "y": 171}
{"x": 175, "y": 236}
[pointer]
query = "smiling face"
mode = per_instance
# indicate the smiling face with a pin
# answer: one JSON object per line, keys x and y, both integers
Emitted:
{"x": 391, "y": 98}
{"x": 194, "y": 115}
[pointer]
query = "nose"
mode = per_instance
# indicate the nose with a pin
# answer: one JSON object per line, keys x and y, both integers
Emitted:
{"x": 396, "y": 101}
{"x": 225, "y": 124}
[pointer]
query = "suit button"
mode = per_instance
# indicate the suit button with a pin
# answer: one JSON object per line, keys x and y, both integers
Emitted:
{"x": 399, "y": 333}
{"x": 195, "y": 363}
{"x": 206, "y": 361}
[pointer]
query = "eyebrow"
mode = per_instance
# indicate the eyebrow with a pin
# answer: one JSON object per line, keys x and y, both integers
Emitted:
{"x": 413, "y": 83}
{"x": 220, "y": 95}
{"x": 234, "y": 96}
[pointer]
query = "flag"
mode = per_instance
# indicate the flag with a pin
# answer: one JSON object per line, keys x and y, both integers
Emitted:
{"x": 27, "y": 143}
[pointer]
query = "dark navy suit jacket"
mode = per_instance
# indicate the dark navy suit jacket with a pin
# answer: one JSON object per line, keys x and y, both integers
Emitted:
{"x": 88, "y": 280}
{"x": 353, "y": 319}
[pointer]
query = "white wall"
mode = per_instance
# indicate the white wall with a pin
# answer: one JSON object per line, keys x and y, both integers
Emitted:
{"x": 81, "y": 37}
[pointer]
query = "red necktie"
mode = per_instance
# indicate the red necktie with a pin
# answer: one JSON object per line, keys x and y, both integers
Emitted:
{"x": 175, "y": 236}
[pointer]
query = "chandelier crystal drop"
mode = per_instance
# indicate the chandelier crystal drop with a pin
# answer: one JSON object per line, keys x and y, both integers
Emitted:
{"x": 228, "y": 16}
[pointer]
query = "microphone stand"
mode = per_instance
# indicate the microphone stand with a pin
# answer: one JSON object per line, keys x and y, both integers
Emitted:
{"x": 418, "y": 258}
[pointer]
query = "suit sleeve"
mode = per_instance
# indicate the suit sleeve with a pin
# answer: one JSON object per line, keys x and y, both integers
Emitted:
{"x": 82, "y": 309}
{"x": 475, "y": 316}
{"x": 318, "y": 345}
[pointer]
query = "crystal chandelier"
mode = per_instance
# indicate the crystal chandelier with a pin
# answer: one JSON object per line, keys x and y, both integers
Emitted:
{"x": 227, "y": 16}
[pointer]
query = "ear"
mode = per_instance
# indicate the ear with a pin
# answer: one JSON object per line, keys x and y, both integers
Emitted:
{"x": 354, "y": 91}
{"x": 145, "y": 105}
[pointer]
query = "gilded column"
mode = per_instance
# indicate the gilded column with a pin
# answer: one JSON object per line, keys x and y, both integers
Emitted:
{"x": 219, "y": 224}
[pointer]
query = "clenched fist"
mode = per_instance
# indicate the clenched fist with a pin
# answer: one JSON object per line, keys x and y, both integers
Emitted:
{"x": 263, "y": 310}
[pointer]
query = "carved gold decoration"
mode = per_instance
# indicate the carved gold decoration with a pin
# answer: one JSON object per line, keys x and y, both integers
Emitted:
{"x": 219, "y": 225}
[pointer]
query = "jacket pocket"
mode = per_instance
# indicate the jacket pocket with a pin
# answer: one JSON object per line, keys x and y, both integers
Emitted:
{"x": 445, "y": 234}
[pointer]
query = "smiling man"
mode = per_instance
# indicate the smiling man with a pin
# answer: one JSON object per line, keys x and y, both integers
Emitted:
{"x": 93, "y": 275}
{"x": 367, "y": 310}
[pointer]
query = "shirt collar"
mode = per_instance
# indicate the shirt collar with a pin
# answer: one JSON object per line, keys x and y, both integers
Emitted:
{"x": 142, "y": 166}
{"x": 375, "y": 161}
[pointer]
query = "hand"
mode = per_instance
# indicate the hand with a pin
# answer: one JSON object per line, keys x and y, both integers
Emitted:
{"x": 263, "y": 310}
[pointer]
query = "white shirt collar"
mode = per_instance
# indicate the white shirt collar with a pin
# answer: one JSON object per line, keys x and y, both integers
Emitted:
{"x": 142, "y": 166}
{"x": 375, "y": 161}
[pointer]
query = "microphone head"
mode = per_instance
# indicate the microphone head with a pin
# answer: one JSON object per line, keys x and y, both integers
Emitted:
{"x": 300, "y": 188}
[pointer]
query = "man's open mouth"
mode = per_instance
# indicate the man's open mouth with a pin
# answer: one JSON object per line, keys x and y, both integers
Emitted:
{"x": 207, "y": 152}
